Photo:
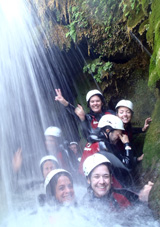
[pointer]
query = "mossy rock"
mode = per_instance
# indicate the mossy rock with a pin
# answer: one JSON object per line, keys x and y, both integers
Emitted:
{"x": 152, "y": 141}
{"x": 151, "y": 162}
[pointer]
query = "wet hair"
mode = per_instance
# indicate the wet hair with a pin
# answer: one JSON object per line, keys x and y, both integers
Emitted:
{"x": 109, "y": 166}
{"x": 51, "y": 187}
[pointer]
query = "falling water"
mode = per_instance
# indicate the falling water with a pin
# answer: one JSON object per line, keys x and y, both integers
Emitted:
{"x": 27, "y": 82}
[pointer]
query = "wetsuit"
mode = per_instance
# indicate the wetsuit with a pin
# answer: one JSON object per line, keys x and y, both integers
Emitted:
{"x": 130, "y": 132}
{"x": 115, "y": 199}
{"x": 90, "y": 124}
{"x": 125, "y": 156}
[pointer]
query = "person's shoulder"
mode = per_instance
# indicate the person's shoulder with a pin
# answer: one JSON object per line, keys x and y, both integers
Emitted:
{"x": 110, "y": 112}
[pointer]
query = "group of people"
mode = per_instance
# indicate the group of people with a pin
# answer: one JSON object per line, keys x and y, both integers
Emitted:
{"x": 107, "y": 157}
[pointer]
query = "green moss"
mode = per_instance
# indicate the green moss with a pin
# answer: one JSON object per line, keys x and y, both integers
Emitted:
{"x": 135, "y": 18}
{"x": 151, "y": 146}
{"x": 153, "y": 38}
{"x": 145, "y": 5}
{"x": 143, "y": 27}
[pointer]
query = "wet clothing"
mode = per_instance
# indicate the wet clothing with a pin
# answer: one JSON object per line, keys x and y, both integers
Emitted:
{"x": 116, "y": 199}
{"x": 63, "y": 157}
{"x": 125, "y": 156}
{"x": 130, "y": 132}
{"x": 90, "y": 149}
{"x": 91, "y": 120}
{"x": 121, "y": 163}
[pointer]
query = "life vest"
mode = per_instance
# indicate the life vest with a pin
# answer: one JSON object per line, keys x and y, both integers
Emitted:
{"x": 90, "y": 148}
{"x": 122, "y": 201}
{"x": 94, "y": 121}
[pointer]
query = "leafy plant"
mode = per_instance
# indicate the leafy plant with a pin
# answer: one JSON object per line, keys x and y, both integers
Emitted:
{"x": 78, "y": 20}
{"x": 97, "y": 67}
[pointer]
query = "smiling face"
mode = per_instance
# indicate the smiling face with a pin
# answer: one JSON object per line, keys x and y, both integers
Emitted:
{"x": 95, "y": 104}
{"x": 125, "y": 114}
{"x": 100, "y": 180}
{"x": 64, "y": 191}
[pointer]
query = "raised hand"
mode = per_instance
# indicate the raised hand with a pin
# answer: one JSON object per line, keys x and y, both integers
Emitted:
{"x": 144, "y": 193}
{"x": 124, "y": 138}
{"x": 17, "y": 160}
{"x": 60, "y": 98}
{"x": 79, "y": 111}
{"x": 140, "y": 158}
{"x": 146, "y": 124}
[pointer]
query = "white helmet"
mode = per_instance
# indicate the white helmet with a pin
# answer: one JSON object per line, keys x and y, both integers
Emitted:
{"x": 92, "y": 161}
{"x": 111, "y": 120}
{"x": 52, "y": 174}
{"x": 47, "y": 158}
{"x": 53, "y": 131}
{"x": 91, "y": 93}
{"x": 125, "y": 103}
{"x": 71, "y": 143}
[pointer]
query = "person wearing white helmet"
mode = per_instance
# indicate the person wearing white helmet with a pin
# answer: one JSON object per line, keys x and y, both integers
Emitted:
{"x": 54, "y": 147}
{"x": 48, "y": 163}
{"x": 111, "y": 128}
{"x": 101, "y": 194}
{"x": 59, "y": 188}
{"x": 89, "y": 122}
{"x": 124, "y": 110}
{"x": 73, "y": 146}
{"x": 95, "y": 102}
{"x": 52, "y": 135}
{"x": 74, "y": 149}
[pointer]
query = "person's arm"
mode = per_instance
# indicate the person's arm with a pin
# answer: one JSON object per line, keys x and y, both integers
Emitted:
{"x": 60, "y": 98}
{"x": 146, "y": 124}
{"x": 145, "y": 191}
{"x": 136, "y": 130}
{"x": 77, "y": 112}
{"x": 17, "y": 160}
{"x": 142, "y": 196}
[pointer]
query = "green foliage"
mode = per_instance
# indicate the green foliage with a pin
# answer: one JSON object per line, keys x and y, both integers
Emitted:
{"x": 77, "y": 21}
{"x": 153, "y": 37}
{"x": 145, "y": 5}
{"x": 97, "y": 67}
{"x": 100, "y": 11}
{"x": 132, "y": 11}
{"x": 97, "y": 11}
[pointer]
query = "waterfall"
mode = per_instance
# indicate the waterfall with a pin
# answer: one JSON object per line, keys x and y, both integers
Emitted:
{"x": 27, "y": 83}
